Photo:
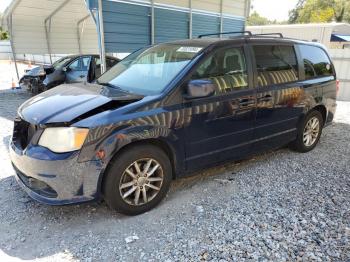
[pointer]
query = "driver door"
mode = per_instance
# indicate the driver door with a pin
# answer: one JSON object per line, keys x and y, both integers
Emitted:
{"x": 221, "y": 127}
{"x": 78, "y": 70}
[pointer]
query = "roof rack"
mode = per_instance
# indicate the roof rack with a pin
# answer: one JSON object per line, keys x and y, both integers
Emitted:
{"x": 270, "y": 34}
{"x": 248, "y": 33}
{"x": 227, "y": 33}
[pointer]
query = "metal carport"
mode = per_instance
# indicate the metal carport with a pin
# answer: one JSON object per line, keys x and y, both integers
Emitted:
{"x": 50, "y": 27}
{"x": 72, "y": 26}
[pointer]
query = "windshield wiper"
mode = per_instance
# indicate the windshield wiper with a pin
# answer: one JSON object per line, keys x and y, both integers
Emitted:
{"x": 112, "y": 86}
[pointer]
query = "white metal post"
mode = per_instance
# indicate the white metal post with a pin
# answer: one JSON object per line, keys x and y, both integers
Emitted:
{"x": 101, "y": 37}
{"x": 47, "y": 34}
{"x": 221, "y": 16}
{"x": 9, "y": 24}
{"x": 190, "y": 31}
{"x": 48, "y": 30}
{"x": 152, "y": 22}
{"x": 82, "y": 31}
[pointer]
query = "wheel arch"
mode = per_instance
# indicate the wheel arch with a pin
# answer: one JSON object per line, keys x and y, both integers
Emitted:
{"x": 163, "y": 145}
{"x": 323, "y": 110}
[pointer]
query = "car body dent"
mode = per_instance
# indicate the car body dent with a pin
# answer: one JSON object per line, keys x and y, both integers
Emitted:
{"x": 62, "y": 105}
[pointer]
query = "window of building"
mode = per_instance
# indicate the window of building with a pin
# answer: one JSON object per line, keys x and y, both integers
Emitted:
{"x": 316, "y": 62}
{"x": 276, "y": 64}
{"x": 227, "y": 68}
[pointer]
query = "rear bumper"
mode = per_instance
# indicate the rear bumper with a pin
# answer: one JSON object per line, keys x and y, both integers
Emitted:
{"x": 56, "y": 181}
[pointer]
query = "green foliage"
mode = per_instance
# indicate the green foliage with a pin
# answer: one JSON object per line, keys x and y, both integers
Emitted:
{"x": 4, "y": 35}
{"x": 320, "y": 11}
{"x": 256, "y": 19}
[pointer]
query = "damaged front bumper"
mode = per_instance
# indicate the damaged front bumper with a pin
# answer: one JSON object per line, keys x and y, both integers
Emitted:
{"x": 55, "y": 179}
{"x": 32, "y": 84}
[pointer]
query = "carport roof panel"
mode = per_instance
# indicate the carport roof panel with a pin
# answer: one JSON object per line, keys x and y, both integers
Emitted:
{"x": 29, "y": 16}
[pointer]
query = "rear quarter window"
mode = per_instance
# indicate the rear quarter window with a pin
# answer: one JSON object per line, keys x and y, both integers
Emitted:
{"x": 316, "y": 62}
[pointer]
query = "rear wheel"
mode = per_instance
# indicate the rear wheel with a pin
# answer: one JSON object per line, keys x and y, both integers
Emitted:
{"x": 309, "y": 132}
{"x": 137, "y": 180}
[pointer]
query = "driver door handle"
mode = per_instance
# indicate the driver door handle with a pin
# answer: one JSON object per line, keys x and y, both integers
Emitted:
{"x": 266, "y": 98}
{"x": 244, "y": 102}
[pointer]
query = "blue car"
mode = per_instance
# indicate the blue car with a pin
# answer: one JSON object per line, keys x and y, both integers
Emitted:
{"x": 168, "y": 110}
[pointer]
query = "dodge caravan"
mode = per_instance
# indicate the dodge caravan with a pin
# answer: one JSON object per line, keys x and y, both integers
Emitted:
{"x": 168, "y": 110}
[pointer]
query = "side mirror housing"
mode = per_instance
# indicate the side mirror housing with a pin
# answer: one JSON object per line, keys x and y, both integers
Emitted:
{"x": 65, "y": 69}
{"x": 200, "y": 88}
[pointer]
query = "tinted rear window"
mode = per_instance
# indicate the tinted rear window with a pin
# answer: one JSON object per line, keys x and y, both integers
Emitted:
{"x": 316, "y": 62}
{"x": 276, "y": 64}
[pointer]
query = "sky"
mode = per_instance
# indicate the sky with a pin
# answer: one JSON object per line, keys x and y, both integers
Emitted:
{"x": 4, "y": 4}
{"x": 273, "y": 9}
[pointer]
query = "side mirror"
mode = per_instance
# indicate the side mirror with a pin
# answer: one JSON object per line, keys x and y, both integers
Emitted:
{"x": 200, "y": 88}
{"x": 65, "y": 69}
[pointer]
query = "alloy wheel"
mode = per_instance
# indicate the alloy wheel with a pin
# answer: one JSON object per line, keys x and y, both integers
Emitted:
{"x": 311, "y": 131}
{"x": 141, "y": 181}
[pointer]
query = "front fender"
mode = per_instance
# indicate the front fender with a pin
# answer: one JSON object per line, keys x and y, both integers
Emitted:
{"x": 116, "y": 138}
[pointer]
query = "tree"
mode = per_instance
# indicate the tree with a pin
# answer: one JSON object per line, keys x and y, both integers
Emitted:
{"x": 256, "y": 19}
{"x": 294, "y": 13}
{"x": 321, "y": 11}
{"x": 4, "y": 35}
{"x": 341, "y": 10}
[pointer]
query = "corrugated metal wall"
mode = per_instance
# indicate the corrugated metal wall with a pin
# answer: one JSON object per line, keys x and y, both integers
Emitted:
{"x": 128, "y": 24}
{"x": 204, "y": 24}
{"x": 341, "y": 60}
{"x": 170, "y": 25}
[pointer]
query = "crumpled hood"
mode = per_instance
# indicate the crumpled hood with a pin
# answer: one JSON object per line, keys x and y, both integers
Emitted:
{"x": 40, "y": 70}
{"x": 34, "y": 71}
{"x": 65, "y": 103}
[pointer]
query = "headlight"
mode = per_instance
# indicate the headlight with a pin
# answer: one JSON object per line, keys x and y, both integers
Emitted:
{"x": 41, "y": 72}
{"x": 63, "y": 139}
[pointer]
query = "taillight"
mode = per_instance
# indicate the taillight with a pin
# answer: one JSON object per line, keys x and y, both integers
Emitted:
{"x": 338, "y": 86}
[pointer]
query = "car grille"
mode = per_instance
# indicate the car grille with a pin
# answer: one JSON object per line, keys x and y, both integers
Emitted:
{"x": 23, "y": 133}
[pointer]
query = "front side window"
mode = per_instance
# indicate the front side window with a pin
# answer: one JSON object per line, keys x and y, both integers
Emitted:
{"x": 149, "y": 71}
{"x": 276, "y": 64}
{"x": 80, "y": 64}
{"x": 61, "y": 62}
{"x": 227, "y": 68}
{"x": 316, "y": 62}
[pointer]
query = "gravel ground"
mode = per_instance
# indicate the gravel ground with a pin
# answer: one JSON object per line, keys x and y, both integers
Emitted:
{"x": 278, "y": 206}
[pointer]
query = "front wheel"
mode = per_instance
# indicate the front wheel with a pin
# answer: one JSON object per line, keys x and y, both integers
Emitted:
{"x": 137, "y": 179}
{"x": 309, "y": 132}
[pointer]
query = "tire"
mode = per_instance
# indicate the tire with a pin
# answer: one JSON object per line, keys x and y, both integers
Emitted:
{"x": 118, "y": 182}
{"x": 301, "y": 144}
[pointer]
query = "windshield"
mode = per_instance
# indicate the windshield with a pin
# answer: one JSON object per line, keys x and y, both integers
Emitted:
{"x": 149, "y": 71}
{"x": 61, "y": 62}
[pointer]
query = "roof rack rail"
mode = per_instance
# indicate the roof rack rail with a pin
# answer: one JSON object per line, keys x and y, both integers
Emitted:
{"x": 227, "y": 33}
{"x": 270, "y": 34}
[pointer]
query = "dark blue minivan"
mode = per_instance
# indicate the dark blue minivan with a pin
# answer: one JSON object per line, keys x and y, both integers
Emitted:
{"x": 168, "y": 110}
